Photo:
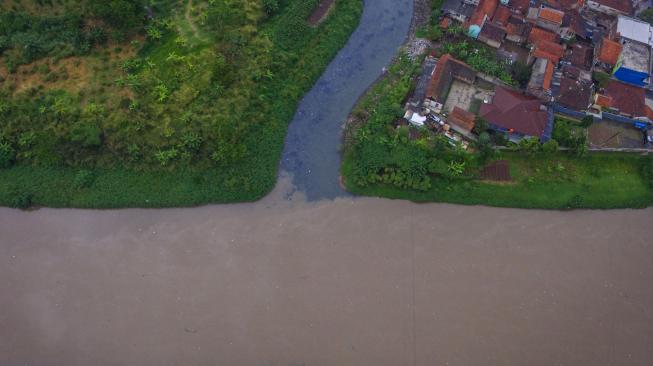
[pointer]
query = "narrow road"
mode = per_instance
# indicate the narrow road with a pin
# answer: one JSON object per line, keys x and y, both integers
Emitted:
{"x": 312, "y": 155}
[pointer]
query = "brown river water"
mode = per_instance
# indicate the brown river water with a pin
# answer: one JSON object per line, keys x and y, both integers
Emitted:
{"x": 344, "y": 282}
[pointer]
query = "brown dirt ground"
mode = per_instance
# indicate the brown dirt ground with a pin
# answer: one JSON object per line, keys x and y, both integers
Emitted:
{"x": 321, "y": 12}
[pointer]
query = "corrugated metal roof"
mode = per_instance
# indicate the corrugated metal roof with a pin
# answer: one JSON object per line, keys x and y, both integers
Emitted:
{"x": 635, "y": 30}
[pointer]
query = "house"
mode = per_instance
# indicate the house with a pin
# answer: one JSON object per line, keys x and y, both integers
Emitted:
{"x": 634, "y": 63}
{"x": 611, "y": 7}
{"x": 624, "y": 99}
{"x": 483, "y": 12}
{"x": 446, "y": 71}
{"x": 519, "y": 7}
{"x": 608, "y": 52}
{"x": 501, "y": 15}
{"x": 548, "y": 50}
{"x": 515, "y": 113}
{"x": 539, "y": 84}
{"x": 634, "y": 30}
{"x": 462, "y": 121}
{"x": 538, "y": 34}
{"x": 575, "y": 93}
{"x": 517, "y": 30}
{"x": 549, "y": 18}
{"x": 459, "y": 10}
{"x": 580, "y": 55}
{"x": 492, "y": 35}
{"x": 574, "y": 25}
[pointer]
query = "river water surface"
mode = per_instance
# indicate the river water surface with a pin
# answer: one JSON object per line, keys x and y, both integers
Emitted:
{"x": 294, "y": 280}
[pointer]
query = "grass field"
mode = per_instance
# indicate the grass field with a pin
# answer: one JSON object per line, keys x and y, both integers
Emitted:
{"x": 597, "y": 181}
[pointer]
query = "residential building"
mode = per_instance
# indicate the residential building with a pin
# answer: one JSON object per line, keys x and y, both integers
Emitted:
{"x": 459, "y": 10}
{"x": 634, "y": 63}
{"x": 611, "y": 7}
{"x": 549, "y": 18}
{"x": 492, "y": 34}
{"x": 575, "y": 93}
{"x": 517, "y": 114}
{"x": 446, "y": 71}
{"x": 607, "y": 52}
{"x": 624, "y": 99}
{"x": 462, "y": 121}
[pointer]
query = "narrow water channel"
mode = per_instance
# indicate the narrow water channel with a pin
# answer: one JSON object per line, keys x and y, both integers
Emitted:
{"x": 311, "y": 155}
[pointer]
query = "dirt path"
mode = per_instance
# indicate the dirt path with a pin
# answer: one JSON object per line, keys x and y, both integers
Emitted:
{"x": 189, "y": 19}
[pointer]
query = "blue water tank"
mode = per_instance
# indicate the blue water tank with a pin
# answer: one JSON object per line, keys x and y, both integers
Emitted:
{"x": 505, "y": 2}
{"x": 474, "y": 31}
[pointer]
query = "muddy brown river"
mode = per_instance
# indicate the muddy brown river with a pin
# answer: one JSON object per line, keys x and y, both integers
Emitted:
{"x": 290, "y": 281}
{"x": 345, "y": 282}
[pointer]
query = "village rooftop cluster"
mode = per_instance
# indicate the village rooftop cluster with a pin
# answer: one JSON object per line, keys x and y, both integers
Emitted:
{"x": 586, "y": 57}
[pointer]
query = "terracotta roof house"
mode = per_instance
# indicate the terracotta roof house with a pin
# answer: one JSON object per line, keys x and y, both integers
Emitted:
{"x": 574, "y": 24}
{"x": 515, "y": 113}
{"x": 625, "y": 99}
{"x": 571, "y": 4}
{"x": 539, "y": 34}
{"x": 609, "y": 51}
{"x": 492, "y": 34}
{"x": 446, "y": 71}
{"x": 517, "y": 30}
{"x": 581, "y": 56}
{"x": 549, "y": 50}
{"x": 502, "y": 15}
{"x": 462, "y": 121}
{"x": 484, "y": 11}
{"x": 550, "y": 18}
{"x": 520, "y": 6}
{"x": 611, "y": 7}
{"x": 574, "y": 94}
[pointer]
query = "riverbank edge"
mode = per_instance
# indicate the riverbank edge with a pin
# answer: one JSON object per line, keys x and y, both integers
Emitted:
{"x": 352, "y": 122}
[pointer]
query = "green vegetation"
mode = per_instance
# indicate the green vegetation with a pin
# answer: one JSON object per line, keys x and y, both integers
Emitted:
{"x": 481, "y": 58}
{"x": 601, "y": 78}
{"x": 382, "y": 160}
{"x": 187, "y": 107}
{"x": 647, "y": 15}
{"x": 561, "y": 181}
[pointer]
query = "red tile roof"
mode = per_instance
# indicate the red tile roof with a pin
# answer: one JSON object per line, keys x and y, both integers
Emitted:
{"x": 574, "y": 94}
{"x": 513, "y": 110}
{"x": 609, "y": 51}
{"x": 462, "y": 118}
{"x": 624, "y": 6}
{"x": 603, "y": 100}
{"x": 445, "y": 23}
{"x": 551, "y": 15}
{"x": 520, "y": 6}
{"x": 484, "y": 8}
{"x": 502, "y": 15}
{"x": 626, "y": 98}
{"x": 549, "y": 50}
{"x": 539, "y": 34}
{"x": 548, "y": 76}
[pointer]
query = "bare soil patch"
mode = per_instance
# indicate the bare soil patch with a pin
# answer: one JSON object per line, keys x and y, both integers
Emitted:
{"x": 498, "y": 171}
{"x": 321, "y": 12}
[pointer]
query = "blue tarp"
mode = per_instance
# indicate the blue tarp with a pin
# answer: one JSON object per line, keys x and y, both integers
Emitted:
{"x": 631, "y": 76}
